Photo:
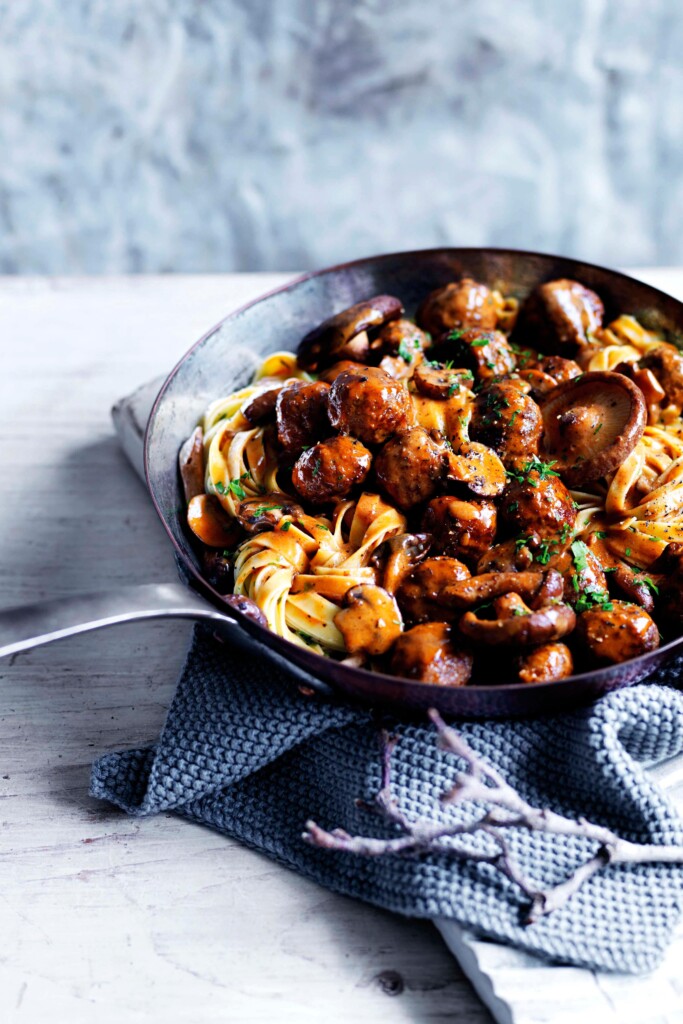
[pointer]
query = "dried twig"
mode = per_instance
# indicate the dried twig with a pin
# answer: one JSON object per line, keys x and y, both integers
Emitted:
{"x": 480, "y": 783}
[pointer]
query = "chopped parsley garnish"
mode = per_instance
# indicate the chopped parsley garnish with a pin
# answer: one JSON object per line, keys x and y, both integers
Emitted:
{"x": 513, "y": 418}
{"x": 262, "y": 509}
{"x": 234, "y": 486}
{"x": 579, "y": 553}
{"x": 544, "y": 470}
{"x": 404, "y": 350}
{"x": 316, "y": 467}
{"x": 454, "y": 335}
{"x": 479, "y": 342}
{"x": 598, "y": 428}
{"x": 520, "y": 611}
{"x": 593, "y": 597}
{"x": 600, "y": 534}
{"x": 564, "y": 532}
{"x": 285, "y": 526}
{"x": 321, "y": 526}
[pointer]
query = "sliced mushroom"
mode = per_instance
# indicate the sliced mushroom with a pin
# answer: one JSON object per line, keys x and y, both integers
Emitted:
{"x": 370, "y": 620}
{"x": 344, "y": 335}
{"x": 617, "y": 632}
{"x": 653, "y": 392}
{"x": 515, "y": 624}
{"x": 191, "y": 462}
{"x": 431, "y": 654}
{"x": 434, "y": 380}
{"x": 402, "y": 553}
{"x": 468, "y": 593}
{"x": 460, "y": 529}
{"x": 258, "y": 515}
{"x": 478, "y": 468}
{"x": 559, "y": 316}
{"x": 330, "y": 469}
{"x": 463, "y": 303}
{"x": 412, "y": 466}
{"x": 421, "y": 594}
{"x": 369, "y": 405}
{"x": 591, "y": 424}
{"x": 210, "y": 523}
{"x": 545, "y": 664}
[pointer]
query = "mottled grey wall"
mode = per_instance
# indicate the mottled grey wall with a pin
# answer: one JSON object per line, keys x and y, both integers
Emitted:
{"x": 153, "y": 135}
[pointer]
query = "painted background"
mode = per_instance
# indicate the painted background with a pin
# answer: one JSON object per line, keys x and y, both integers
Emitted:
{"x": 159, "y": 135}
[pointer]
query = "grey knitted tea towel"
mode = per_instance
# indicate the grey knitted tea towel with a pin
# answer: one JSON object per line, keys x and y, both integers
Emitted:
{"x": 244, "y": 753}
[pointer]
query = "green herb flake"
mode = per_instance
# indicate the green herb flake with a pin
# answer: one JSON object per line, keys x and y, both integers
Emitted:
{"x": 579, "y": 553}
{"x": 285, "y": 526}
{"x": 316, "y": 467}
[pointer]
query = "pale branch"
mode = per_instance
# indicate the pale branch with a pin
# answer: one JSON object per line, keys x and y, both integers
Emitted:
{"x": 481, "y": 783}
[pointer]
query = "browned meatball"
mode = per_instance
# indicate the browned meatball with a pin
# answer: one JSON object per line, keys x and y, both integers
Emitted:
{"x": 400, "y": 338}
{"x": 666, "y": 362}
{"x": 332, "y": 372}
{"x": 505, "y": 419}
{"x": 584, "y": 579}
{"x": 301, "y": 414}
{"x": 486, "y": 353}
{"x": 420, "y": 593}
{"x": 330, "y": 469}
{"x": 428, "y": 653}
{"x": 537, "y": 503}
{"x": 412, "y": 466}
{"x": 559, "y": 316}
{"x": 369, "y": 405}
{"x": 434, "y": 380}
{"x": 546, "y": 664}
{"x": 462, "y": 304}
{"x": 460, "y": 529}
{"x": 617, "y": 632}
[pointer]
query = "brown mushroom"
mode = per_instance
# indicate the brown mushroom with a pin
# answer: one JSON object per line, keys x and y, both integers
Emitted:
{"x": 330, "y": 469}
{"x": 369, "y": 405}
{"x": 412, "y": 466}
{"x": 471, "y": 592}
{"x": 400, "y": 338}
{"x": 653, "y": 392}
{"x": 435, "y": 380}
{"x": 261, "y": 406}
{"x": 421, "y": 594}
{"x": 430, "y": 654}
{"x": 486, "y": 353}
{"x": 591, "y": 423}
{"x": 210, "y": 523}
{"x": 559, "y": 368}
{"x": 191, "y": 462}
{"x": 370, "y": 620}
{"x": 217, "y": 567}
{"x": 247, "y": 607}
{"x": 505, "y": 419}
{"x": 545, "y": 664}
{"x": 329, "y": 375}
{"x": 401, "y": 553}
{"x": 345, "y": 335}
{"x": 460, "y": 529}
{"x": 258, "y": 515}
{"x": 559, "y": 316}
{"x": 517, "y": 625}
{"x": 478, "y": 468}
{"x": 617, "y": 631}
{"x": 666, "y": 362}
{"x": 463, "y": 303}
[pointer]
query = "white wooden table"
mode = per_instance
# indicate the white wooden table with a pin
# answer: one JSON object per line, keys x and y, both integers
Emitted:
{"x": 104, "y": 918}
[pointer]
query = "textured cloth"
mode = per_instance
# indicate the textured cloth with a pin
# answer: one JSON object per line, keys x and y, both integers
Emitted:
{"x": 243, "y": 752}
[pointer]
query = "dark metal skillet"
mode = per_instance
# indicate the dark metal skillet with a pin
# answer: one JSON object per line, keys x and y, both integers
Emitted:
{"x": 224, "y": 360}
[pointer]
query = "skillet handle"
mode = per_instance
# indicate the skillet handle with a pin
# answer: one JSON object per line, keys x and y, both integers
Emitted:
{"x": 35, "y": 624}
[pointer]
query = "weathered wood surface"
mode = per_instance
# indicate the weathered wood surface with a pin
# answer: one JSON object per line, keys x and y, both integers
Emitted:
{"x": 104, "y": 918}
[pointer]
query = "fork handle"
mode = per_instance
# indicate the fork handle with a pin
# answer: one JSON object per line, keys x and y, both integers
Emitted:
{"x": 34, "y": 624}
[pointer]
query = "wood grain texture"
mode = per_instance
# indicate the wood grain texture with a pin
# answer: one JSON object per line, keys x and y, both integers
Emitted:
{"x": 104, "y": 918}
